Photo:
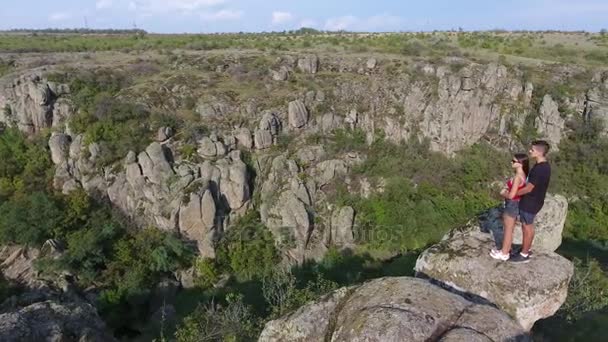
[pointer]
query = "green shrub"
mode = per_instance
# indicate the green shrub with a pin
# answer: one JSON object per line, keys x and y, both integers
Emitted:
{"x": 247, "y": 248}
{"x": 232, "y": 321}
{"x": 207, "y": 272}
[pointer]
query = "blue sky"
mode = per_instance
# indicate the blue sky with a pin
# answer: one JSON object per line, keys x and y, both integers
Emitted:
{"x": 177, "y": 16}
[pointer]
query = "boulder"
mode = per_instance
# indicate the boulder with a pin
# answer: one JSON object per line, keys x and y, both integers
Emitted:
{"x": 297, "y": 114}
{"x": 328, "y": 170}
{"x": 206, "y": 110}
{"x": 309, "y": 64}
{"x": 331, "y": 121}
{"x": 154, "y": 164}
{"x": 197, "y": 222}
{"x": 280, "y": 75}
{"x": 164, "y": 133}
{"x": 207, "y": 148}
{"x": 548, "y": 227}
{"x": 371, "y": 63}
{"x": 262, "y": 139}
{"x": 244, "y": 138}
{"x": 53, "y": 321}
{"x": 549, "y": 121}
{"x": 270, "y": 122}
{"x": 59, "y": 144}
{"x": 393, "y": 309}
{"x": 528, "y": 292}
{"x": 342, "y": 221}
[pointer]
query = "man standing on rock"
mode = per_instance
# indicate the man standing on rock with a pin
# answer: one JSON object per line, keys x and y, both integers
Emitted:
{"x": 533, "y": 197}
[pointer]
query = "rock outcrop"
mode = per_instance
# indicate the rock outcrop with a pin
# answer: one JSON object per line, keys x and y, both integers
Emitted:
{"x": 32, "y": 103}
{"x": 298, "y": 114}
{"x": 549, "y": 122}
{"x": 528, "y": 292}
{"x": 46, "y": 309}
{"x": 155, "y": 190}
{"x": 52, "y": 321}
{"x": 548, "y": 227}
{"x": 309, "y": 64}
{"x": 394, "y": 309}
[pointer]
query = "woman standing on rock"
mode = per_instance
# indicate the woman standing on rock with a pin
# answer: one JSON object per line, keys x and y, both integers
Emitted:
{"x": 521, "y": 166}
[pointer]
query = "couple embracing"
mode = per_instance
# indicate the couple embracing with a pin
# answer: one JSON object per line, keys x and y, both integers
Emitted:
{"x": 524, "y": 197}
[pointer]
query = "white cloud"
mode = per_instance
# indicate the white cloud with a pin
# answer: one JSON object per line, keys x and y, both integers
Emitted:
{"x": 222, "y": 15}
{"x": 382, "y": 22}
{"x": 279, "y": 17}
{"x": 59, "y": 16}
{"x": 103, "y": 4}
{"x": 164, "y": 6}
{"x": 308, "y": 23}
{"x": 341, "y": 23}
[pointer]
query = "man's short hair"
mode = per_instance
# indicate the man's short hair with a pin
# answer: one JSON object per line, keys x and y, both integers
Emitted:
{"x": 542, "y": 145}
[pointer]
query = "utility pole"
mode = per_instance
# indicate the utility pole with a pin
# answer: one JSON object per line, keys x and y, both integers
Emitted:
{"x": 86, "y": 23}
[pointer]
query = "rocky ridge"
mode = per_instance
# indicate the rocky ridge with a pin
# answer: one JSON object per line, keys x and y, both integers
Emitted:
{"x": 480, "y": 299}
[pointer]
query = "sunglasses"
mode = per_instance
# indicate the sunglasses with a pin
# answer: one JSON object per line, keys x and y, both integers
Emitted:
{"x": 514, "y": 161}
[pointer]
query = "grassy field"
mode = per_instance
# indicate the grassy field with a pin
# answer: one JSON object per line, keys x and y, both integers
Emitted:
{"x": 563, "y": 47}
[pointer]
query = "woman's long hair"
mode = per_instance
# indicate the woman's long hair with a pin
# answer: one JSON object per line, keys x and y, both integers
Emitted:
{"x": 522, "y": 158}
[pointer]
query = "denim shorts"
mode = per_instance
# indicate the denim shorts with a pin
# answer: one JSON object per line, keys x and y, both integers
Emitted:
{"x": 526, "y": 217}
{"x": 511, "y": 208}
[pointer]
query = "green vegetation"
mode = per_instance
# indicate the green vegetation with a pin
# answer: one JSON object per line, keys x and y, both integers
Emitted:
{"x": 101, "y": 248}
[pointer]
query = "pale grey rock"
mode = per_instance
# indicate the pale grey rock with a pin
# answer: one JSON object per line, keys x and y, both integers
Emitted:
{"x": 298, "y": 114}
{"x": 462, "y": 262}
{"x": 164, "y": 133}
{"x": 220, "y": 149}
{"x": 244, "y": 138}
{"x": 342, "y": 221}
{"x": 309, "y": 64}
{"x": 206, "y": 110}
{"x": 154, "y": 164}
{"x": 31, "y": 102}
{"x": 207, "y": 148}
{"x": 548, "y": 224}
{"x": 53, "y": 321}
{"x": 596, "y": 105}
{"x": 263, "y": 139}
{"x": 59, "y": 144}
{"x": 280, "y": 75}
{"x": 331, "y": 121}
{"x": 371, "y": 63}
{"x": 270, "y": 122}
{"x": 197, "y": 222}
{"x": 392, "y": 309}
{"x": 325, "y": 172}
{"x": 234, "y": 185}
{"x": 549, "y": 122}
{"x": 311, "y": 154}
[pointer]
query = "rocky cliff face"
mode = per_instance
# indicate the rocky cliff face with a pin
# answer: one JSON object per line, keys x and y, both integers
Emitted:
{"x": 47, "y": 309}
{"x": 32, "y": 103}
{"x": 454, "y": 103}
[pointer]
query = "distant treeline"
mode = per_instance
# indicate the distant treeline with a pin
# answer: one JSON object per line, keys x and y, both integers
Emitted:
{"x": 76, "y": 31}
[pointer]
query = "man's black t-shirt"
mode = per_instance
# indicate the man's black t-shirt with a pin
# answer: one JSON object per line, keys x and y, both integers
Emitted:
{"x": 539, "y": 176}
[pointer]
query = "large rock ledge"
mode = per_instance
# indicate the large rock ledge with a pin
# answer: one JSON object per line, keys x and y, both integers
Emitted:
{"x": 528, "y": 292}
{"x": 394, "y": 309}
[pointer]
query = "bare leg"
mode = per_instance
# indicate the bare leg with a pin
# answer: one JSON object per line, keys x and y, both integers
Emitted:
{"x": 508, "y": 224}
{"x": 528, "y": 237}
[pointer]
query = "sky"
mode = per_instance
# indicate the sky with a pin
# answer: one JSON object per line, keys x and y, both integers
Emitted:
{"x": 198, "y": 16}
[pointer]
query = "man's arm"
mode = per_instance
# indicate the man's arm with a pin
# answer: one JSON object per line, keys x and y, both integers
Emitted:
{"x": 525, "y": 190}
{"x": 511, "y": 194}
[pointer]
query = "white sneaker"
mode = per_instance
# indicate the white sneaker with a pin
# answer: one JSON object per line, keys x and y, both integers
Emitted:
{"x": 498, "y": 255}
